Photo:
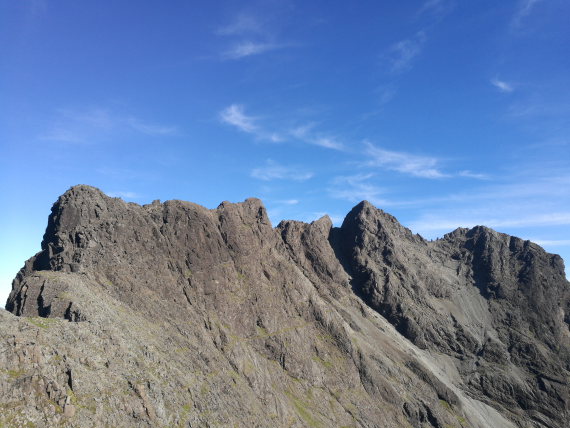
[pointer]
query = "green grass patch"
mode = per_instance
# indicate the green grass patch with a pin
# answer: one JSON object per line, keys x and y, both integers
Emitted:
{"x": 262, "y": 332}
{"x": 461, "y": 420}
{"x": 324, "y": 363}
{"x": 13, "y": 373}
{"x": 302, "y": 411}
{"x": 71, "y": 396}
{"x": 44, "y": 323}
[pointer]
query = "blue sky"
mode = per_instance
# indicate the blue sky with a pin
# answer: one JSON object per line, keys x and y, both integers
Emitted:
{"x": 444, "y": 113}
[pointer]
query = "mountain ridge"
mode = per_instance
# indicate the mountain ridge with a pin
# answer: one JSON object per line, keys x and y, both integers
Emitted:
{"x": 314, "y": 325}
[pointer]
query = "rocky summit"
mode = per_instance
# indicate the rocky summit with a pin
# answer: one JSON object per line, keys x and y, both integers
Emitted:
{"x": 173, "y": 315}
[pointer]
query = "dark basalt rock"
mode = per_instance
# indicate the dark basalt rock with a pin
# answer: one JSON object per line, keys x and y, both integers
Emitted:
{"x": 170, "y": 314}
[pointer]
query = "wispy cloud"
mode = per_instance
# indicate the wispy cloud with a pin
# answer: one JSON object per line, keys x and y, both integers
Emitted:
{"x": 248, "y": 37}
{"x": 307, "y": 134}
{"x": 438, "y": 223}
{"x": 235, "y": 115}
{"x": 501, "y": 85}
{"x": 327, "y": 143}
{"x": 524, "y": 9}
{"x": 546, "y": 219}
{"x": 534, "y": 187}
{"x": 544, "y": 108}
{"x": 543, "y": 115}
{"x": 470, "y": 174}
{"x": 523, "y": 206}
{"x": 274, "y": 171}
{"x": 406, "y": 163}
{"x": 123, "y": 194}
{"x": 355, "y": 188}
{"x": 385, "y": 93}
{"x": 287, "y": 201}
{"x": 431, "y": 5}
{"x": 86, "y": 125}
{"x": 434, "y": 9}
{"x": 358, "y": 187}
{"x": 242, "y": 24}
{"x": 248, "y": 48}
{"x": 401, "y": 55}
{"x": 528, "y": 201}
{"x": 302, "y": 132}
{"x": 551, "y": 242}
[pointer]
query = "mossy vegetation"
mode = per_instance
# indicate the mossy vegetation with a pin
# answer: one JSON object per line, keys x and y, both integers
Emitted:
{"x": 71, "y": 396}
{"x": 262, "y": 332}
{"x": 184, "y": 414}
{"x": 13, "y": 373}
{"x": 324, "y": 363}
{"x": 15, "y": 420}
{"x": 302, "y": 410}
{"x": 48, "y": 274}
{"x": 460, "y": 419}
{"x": 58, "y": 409}
{"x": 44, "y": 323}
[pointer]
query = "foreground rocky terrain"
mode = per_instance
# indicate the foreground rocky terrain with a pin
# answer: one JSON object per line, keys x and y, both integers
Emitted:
{"x": 173, "y": 315}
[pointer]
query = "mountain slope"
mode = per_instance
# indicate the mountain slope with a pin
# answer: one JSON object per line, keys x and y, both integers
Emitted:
{"x": 175, "y": 315}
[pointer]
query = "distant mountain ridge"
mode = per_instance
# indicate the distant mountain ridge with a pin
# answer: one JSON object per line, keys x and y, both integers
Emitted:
{"x": 170, "y": 314}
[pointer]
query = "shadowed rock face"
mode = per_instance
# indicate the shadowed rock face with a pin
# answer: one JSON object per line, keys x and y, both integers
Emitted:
{"x": 175, "y": 315}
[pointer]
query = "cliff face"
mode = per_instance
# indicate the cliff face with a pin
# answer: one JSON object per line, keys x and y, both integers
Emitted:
{"x": 175, "y": 315}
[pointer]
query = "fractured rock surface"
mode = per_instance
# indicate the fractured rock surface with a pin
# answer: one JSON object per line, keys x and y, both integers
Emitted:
{"x": 170, "y": 314}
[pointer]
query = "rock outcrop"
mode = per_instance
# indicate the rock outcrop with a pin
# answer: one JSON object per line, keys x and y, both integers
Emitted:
{"x": 170, "y": 314}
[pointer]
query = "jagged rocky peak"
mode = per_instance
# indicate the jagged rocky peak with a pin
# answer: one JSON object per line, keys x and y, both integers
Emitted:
{"x": 365, "y": 215}
{"x": 134, "y": 246}
{"x": 172, "y": 314}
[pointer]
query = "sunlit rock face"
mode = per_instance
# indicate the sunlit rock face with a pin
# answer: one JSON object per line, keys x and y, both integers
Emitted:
{"x": 170, "y": 314}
